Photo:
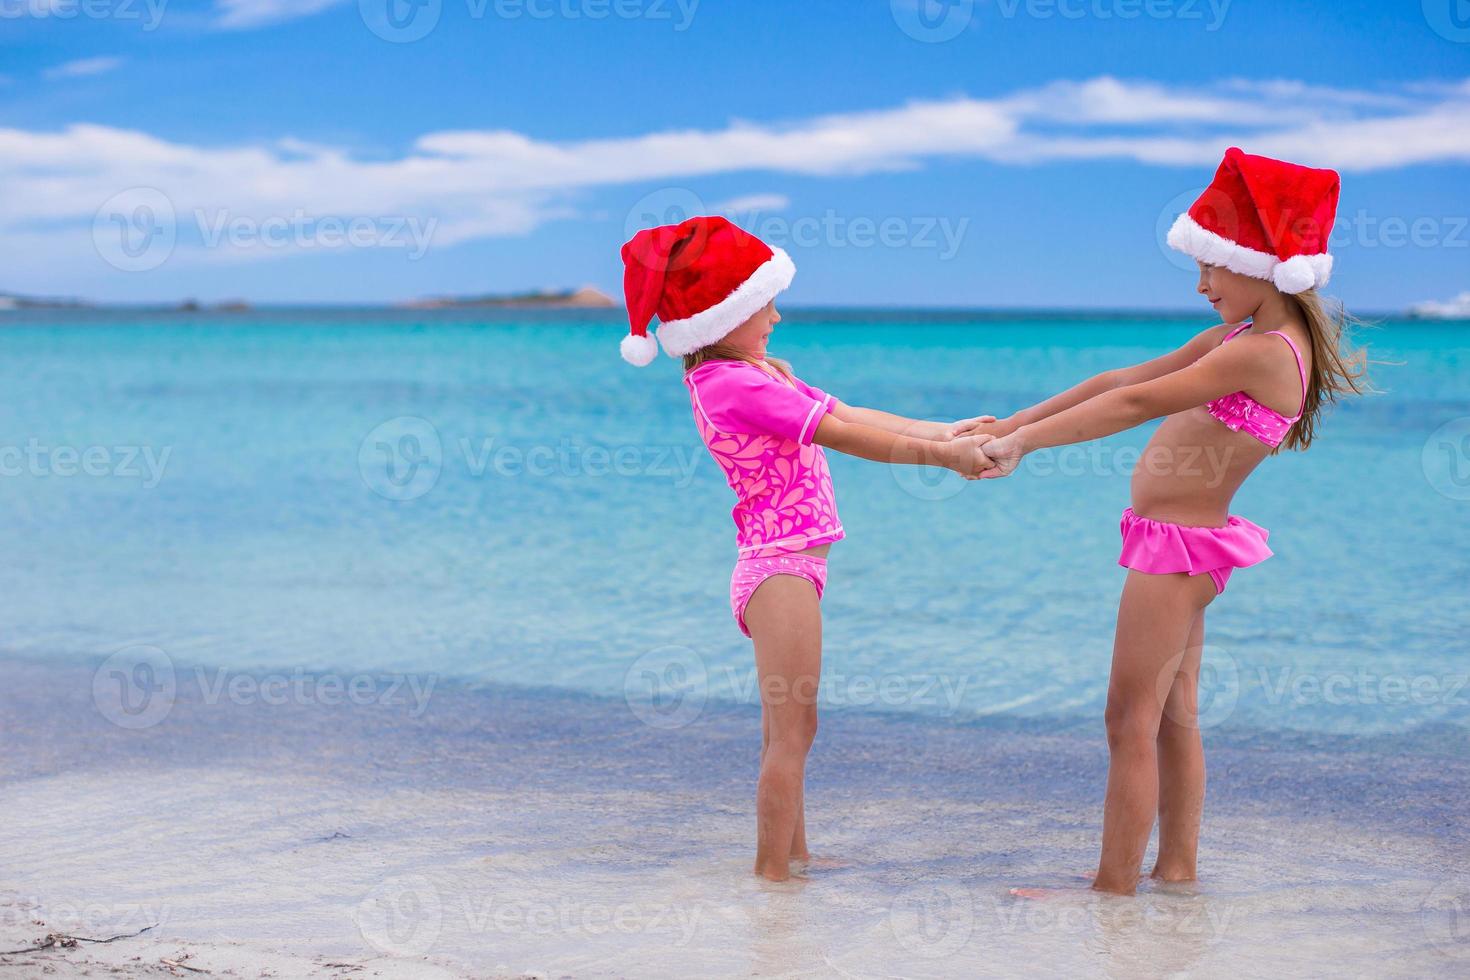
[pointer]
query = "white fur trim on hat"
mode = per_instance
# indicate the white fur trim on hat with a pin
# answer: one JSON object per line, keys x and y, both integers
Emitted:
{"x": 680, "y": 337}
{"x": 1297, "y": 274}
{"x": 639, "y": 351}
{"x": 1302, "y": 272}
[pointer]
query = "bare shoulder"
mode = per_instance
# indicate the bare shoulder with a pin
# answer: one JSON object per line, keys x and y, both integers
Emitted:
{"x": 1207, "y": 340}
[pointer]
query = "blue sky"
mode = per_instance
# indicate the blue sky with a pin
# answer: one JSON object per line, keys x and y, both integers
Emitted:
{"x": 282, "y": 150}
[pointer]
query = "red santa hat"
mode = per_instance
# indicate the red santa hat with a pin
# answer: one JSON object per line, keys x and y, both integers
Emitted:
{"x": 1264, "y": 218}
{"x": 702, "y": 277}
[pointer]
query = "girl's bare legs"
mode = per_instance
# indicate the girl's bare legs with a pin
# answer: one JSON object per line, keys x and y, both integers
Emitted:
{"x": 1155, "y": 621}
{"x": 798, "y": 838}
{"x": 1181, "y": 767}
{"x": 785, "y": 621}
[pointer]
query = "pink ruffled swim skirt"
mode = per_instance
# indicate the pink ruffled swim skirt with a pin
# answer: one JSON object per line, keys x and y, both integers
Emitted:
{"x": 1160, "y": 548}
{"x": 751, "y": 572}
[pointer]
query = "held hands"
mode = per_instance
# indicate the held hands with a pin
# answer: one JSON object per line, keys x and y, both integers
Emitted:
{"x": 968, "y": 456}
{"x": 1002, "y": 447}
{"x": 984, "y": 457}
{"x": 1005, "y": 454}
{"x": 981, "y": 425}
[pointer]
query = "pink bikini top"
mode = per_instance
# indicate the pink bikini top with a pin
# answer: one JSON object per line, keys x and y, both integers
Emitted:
{"x": 1242, "y": 413}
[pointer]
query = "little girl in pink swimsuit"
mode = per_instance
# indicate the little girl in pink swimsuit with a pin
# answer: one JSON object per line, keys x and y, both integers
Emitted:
{"x": 1237, "y": 392}
{"x": 713, "y": 287}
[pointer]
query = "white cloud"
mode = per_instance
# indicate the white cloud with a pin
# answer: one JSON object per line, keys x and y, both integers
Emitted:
{"x": 478, "y": 184}
{"x": 752, "y": 203}
{"x": 246, "y": 14}
{"x": 83, "y": 67}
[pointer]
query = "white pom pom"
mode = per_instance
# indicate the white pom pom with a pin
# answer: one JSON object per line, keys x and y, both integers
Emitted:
{"x": 1295, "y": 275}
{"x": 639, "y": 351}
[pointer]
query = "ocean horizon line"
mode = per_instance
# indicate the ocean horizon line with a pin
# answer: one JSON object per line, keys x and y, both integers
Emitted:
{"x": 940, "y": 314}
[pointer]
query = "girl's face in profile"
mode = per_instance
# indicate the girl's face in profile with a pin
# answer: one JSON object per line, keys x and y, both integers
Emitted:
{"x": 752, "y": 335}
{"x": 1235, "y": 297}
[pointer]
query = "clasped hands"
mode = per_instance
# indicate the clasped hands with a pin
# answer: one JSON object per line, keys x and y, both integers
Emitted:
{"x": 983, "y": 447}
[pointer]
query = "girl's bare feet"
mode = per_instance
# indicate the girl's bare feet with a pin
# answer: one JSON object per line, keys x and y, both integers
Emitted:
{"x": 1059, "y": 892}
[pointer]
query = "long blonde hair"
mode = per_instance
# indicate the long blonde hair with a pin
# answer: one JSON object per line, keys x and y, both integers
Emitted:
{"x": 1336, "y": 370}
{"x": 727, "y": 352}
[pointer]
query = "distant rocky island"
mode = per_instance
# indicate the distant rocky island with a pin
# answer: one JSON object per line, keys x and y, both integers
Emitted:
{"x": 584, "y": 298}
{"x": 11, "y": 301}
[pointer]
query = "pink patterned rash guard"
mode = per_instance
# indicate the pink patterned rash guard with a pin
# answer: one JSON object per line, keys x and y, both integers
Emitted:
{"x": 758, "y": 426}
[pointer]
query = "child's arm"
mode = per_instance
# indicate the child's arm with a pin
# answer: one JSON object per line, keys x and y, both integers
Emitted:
{"x": 918, "y": 428}
{"x": 963, "y": 455}
{"x": 1233, "y": 367}
{"x": 1201, "y": 344}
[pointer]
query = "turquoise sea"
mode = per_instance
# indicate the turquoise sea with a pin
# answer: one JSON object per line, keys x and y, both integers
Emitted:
{"x": 498, "y": 498}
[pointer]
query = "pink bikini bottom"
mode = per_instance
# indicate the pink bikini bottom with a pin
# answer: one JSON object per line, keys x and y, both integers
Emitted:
{"x": 751, "y": 572}
{"x": 1159, "y": 548}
